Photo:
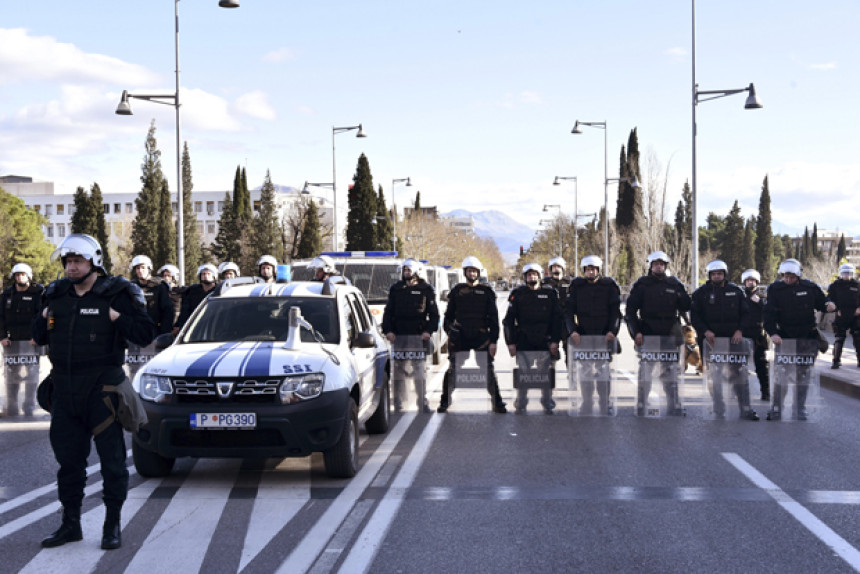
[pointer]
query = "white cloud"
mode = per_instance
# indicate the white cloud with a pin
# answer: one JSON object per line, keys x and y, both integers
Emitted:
{"x": 825, "y": 66}
{"x": 530, "y": 97}
{"x": 256, "y": 105}
{"x": 281, "y": 55}
{"x": 677, "y": 53}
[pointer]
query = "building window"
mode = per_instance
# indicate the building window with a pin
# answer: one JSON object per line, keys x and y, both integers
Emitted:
{"x": 257, "y": 206}
{"x": 198, "y": 207}
{"x": 173, "y": 207}
{"x": 220, "y": 206}
{"x": 37, "y": 208}
{"x": 210, "y": 227}
{"x": 49, "y": 210}
{"x": 129, "y": 207}
{"x": 117, "y": 208}
{"x": 61, "y": 229}
{"x": 106, "y": 208}
{"x": 49, "y": 230}
{"x": 61, "y": 209}
{"x": 200, "y": 227}
{"x": 210, "y": 208}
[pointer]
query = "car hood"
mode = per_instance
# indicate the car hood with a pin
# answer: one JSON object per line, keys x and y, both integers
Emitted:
{"x": 245, "y": 359}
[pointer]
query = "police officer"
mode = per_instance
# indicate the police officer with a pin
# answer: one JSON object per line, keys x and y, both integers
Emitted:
{"x": 754, "y": 329}
{"x": 558, "y": 278}
{"x": 653, "y": 308}
{"x": 88, "y": 318}
{"x": 155, "y": 290}
{"x": 228, "y": 270}
{"x": 411, "y": 310}
{"x": 170, "y": 275}
{"x": 720, "y": 309}
{"x": 789, "y": 313}
{"x": 843, "y": 293}
{"x": 267, "y": 268}
{"x": 207, "y": 274}
{"x": 322, "y": 267}
{"x": 533, "y": 323}
{"x": 20, "y": 304}
{"x": 593, "y": 307}
{"x": 472, "y": 323}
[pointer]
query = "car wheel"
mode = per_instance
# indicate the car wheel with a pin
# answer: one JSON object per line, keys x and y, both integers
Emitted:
{"x": 341, "y": 460}
{"x": 150, "y": 464}
{"x": 378, "y": 422}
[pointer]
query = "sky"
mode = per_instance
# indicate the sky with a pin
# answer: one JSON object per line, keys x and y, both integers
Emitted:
{"x": 474, "y": 101}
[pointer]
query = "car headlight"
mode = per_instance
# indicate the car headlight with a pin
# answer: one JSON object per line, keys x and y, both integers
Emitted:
{"x": 301, "y": 388}
{"x": 155, "y": 388}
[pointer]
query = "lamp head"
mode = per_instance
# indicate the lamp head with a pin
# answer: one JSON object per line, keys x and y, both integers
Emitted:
{"x": 228, "y": 3}
{"x": 555, "y": 182}
{"x": 408, "y": 182}
{"x": 752, "y": 103}
{"x": 576, "y": 129}
{"x": 124, "y": 108}
{"x": 360, "y": 133}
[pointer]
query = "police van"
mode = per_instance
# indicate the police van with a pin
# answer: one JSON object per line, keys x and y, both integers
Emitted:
{"x": 374, "y": 272}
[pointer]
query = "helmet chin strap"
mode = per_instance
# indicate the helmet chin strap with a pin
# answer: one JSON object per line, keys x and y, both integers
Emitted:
{"x": 80, "y": 280}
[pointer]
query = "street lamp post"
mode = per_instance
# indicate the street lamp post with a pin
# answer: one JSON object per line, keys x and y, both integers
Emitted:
{"x": 557, "y": 181}
{"x": 124, "y": 109}
{"x": 334, "y": 132}
{"x": 602, "y": 126}
{"x": 752, "y": 103}
{"x": 306, "y": 191}
{"x": 394, "y": 208}
{"x": 560, "y": 242}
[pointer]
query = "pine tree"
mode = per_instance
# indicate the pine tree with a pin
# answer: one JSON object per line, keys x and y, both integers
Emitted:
{"x": 310, "y": 243}
{"x": 165, "y": 249}
{"x": 22, "y": 240}
{"x": 268, "y": 235}
{"x": 362, "y": 209}
{"x": 787, "y": 247}
{"x": 384, "y": 225}
{"x": 732, "y": 245}
{"x": 226, "y": 245}
{"x": 99, "y": 227}
{"x": 144, "y": 229}
{"x": 83, "y": 219}
{"x": 191, "y": 238}
{"x": 764, "y": 243}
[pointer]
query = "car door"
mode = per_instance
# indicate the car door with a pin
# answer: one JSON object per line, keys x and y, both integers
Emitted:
{"x": 358, "y": 319}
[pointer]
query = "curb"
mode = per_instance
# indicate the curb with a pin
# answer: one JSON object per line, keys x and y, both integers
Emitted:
{"x": 838, "y": 384}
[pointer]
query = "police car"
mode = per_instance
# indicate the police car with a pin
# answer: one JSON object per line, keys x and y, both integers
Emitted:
{"x": 266, "y": 370}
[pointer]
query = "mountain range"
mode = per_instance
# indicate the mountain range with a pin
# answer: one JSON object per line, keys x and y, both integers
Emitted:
{"x": 508, "y": 233}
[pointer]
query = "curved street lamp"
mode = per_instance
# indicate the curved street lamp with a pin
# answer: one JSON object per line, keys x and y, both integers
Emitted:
{"x": 394, "y": 182}
{"x": 334, "y": 131}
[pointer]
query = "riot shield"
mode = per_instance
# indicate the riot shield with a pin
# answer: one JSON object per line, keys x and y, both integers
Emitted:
{"x": 659, "y": 362}
{"x": 726, "y": 378}
{"x": 794, "y": 383}
{"x": 21, "y": 375}
{"x": 470, "y": 373}
{"x": 534, "y": 370}
{"x": 136, "y": 357}
{"x": 409, "y": 373}
{"x": 589, "y": 371}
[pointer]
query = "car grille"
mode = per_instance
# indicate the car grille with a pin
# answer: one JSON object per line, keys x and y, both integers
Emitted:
{"x": 227, "y": 390}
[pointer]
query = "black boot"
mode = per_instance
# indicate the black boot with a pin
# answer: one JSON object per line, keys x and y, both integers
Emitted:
{"x": 111, "y": 535}
{"x": 837, "y": 354}
{"x": 446, "y": 393}
{"x": 69, "y": 530}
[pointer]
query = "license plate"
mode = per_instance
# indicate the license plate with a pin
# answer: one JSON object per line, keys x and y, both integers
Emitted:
{"x": 223, "y": 420}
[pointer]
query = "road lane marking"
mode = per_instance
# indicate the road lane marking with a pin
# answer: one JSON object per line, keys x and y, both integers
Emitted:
{"x": 808, "y": 520}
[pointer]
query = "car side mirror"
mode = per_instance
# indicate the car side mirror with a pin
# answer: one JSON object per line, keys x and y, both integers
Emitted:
{"x": 365, "y": 340}
{"x": 163, "y": 341}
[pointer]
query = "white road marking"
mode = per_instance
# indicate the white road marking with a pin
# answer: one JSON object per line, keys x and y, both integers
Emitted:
{"x": 808, "y": 520}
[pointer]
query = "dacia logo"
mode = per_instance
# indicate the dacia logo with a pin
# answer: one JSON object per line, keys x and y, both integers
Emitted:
{"x": 225, "y": 388}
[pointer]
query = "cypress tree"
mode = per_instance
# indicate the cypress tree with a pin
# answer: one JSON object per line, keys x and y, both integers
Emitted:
{"x": 814, "y": 240}
{"x": 310, "y": 243}
{"x": 417, "y": 204}
{"x": 384, "y": 225}
{"x": 268, "y": 235}
{"x": 787, "y": 247}
{"x": 840, "y": 249}
{"x": 247, "y": 211}
{"x": 83, "y": 219}
{"x": 99, "y": 226}
{"x": 165, "y": 249}
{"x": 806, "y": 250}
{"x": 192, "y": 240}
{"x": 748, "y": 259}
{"x": 360, "y": 234}
{"x": 764, "y": 243}
{"x": 732, "y": 244}
{"x": 226, "y": 245}
{"x": 144, "y": 228}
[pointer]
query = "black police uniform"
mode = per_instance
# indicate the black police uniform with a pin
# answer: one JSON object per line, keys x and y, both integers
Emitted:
{"x": 472, "y": 323}
{"x": 19, "y": 308}
{"x": 653, "y": 308}
{"x": 844, "y": 294}
{"x": 593, "y": 308}
{"x": 790, "y": 313}
{"x": 87, "y": 351}
{"x": 722, "y": 308}
{"x": 411, "y": 310}
{"x": 754, "y": 329}
{"x": 158, "y": 302}
{"x": 192, "y": 297}
{"x": 533, "y": 321}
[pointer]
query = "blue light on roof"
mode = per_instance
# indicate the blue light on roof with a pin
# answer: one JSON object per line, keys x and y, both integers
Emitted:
{"x": 360, "y": 253}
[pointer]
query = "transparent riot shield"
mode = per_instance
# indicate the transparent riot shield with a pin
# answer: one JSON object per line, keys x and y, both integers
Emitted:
{"x": 409, "y": 373}
{"x": 136, "y": 357}
{"x": 470, "y": 373}
{"x": 726, "y": 378}
{"x": 589, "y": 373}
{"x": 21, "y": 376}
{"x": 535, "y": 371}
{"x": 659, "y": 389}
{"x": 794, "y": 383}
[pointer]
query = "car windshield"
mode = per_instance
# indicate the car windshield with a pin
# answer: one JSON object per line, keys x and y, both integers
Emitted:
{"x": 374, "y": 279}
{"x": 224, "y": 319}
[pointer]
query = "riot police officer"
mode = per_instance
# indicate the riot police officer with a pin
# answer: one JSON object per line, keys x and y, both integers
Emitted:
{"x": 88, "y": 318}
{"x": 720, "y": 309}
{"x": 170, "y": 275}
{"x": 789, "y": 313}
{"x": 208, "y": 275}
{"x": 472, "y": 323}
{"x": 267, "y": 268}
{"x": 155, "y": 290}
{"x": 558, "y": 278}
{"x": 754, "y": 329}
{"x": 411, "y": 310}
{"x": 653, "y": 308}
{"x": 322, "y": 267}
{"x": 843, "y": 293}
{"x": 20, "y": 303}
{"x": 228, "y": 270}
{"x": 593, "y": 307}
{"x": 533, "y": 323}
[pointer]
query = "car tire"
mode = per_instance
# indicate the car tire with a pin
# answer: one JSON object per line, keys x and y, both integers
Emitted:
{"x": 379, "y": 421}
{"x": 341, "y": 460}
{"x": 150, "y": 464}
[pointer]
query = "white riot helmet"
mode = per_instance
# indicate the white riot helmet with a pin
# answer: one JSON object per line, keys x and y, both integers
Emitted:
{"x": 750, "y": 273}
{"x": 228, "y": 266}
{"x": 416, "y": 266}
{"x": 140, "y": 260}
{"x": 83, "y": 245}
{"x": 658, "y": 256}
{"x": 172, "y": 269}
{"x": 533, "y": 267}
{"x": 792, "y": 266}
{"x": 22, "y": 268}
{"x": 591, "y": 261}
{"x": 207, "y": 267}
{"x": 847, "y": 268}
{"x": 323, "y": 262}
{"x": 267, "y": 259}
{"x": 717, "y": 265}
{"x": 557, "y": 261}
{"x": 473, "y": 262}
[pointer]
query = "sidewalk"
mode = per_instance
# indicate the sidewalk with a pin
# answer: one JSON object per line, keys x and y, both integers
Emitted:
{"x": 844, "y": 380}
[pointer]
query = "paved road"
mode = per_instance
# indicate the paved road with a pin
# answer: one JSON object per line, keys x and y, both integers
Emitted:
{"x": 474, "y": 491}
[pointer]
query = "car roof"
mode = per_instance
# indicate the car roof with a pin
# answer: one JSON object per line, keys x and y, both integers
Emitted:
{"x": 240, "y": 287}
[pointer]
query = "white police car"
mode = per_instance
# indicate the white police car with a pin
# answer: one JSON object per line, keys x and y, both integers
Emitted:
{"x": 266, "y": 370}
